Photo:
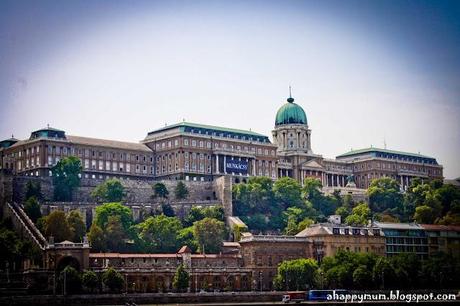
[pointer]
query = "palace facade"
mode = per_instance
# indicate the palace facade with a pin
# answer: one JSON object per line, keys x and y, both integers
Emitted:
{"x": 201, "y": 152}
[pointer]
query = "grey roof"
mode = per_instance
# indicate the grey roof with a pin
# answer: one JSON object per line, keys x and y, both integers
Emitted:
{"x": 108, "y": 143}
{"x": 205, "y": 126}
{"x": 404, "y": 226}
{"x": 372, "y": 149}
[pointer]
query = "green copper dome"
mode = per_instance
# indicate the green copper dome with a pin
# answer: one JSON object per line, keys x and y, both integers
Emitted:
{"x": 290, "y": 113}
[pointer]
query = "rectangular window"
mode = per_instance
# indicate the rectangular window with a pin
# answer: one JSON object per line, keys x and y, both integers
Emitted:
{"x": 114, "y": 166}
{"x": 128, "y": 168}
{"x": 101, "y": 165}
{"x": 107, "y": 165}
{"x": 86, "y": 163}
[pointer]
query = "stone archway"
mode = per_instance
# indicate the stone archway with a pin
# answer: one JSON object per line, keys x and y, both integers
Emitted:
{"x": 68, "y": 261}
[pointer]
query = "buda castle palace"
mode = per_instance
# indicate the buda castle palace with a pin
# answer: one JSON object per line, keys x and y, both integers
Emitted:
{"x": 199, "y": 152}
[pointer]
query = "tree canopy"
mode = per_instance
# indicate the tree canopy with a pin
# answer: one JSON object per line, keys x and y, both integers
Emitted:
{"x": 181, "y": 191}
{"x": 160, "y": 233}
{"x": 77, "y": 225}
{"x": 110, "y": 190}
{"x": 160, "y": 191}
{"x": 56, "y": 225}
{"x": 32, "y": 209}
{"x": 181, "y": 279}
{"x": 103, "y": 212}
{"x": 66, "y": 177}
{"x": 210, "y": 234}
{"x": 297, "y": 274}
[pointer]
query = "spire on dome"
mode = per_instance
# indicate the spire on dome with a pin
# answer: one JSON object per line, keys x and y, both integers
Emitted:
{"x": 290, "y": 99}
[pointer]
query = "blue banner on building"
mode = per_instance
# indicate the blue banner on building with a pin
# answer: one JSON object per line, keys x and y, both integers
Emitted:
{"x": 237, "y": 166}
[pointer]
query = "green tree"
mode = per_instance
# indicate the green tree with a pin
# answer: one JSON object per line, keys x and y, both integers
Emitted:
{"x": 167, "y": 210}
{"x": 32, "y": 209}
{"x": 256, "y": 222}
{"x": 56, "y": 225}
{"x": 345, "y": 209}
{"x": 324, "y": 205}
{"x": 33, "y": 189}
{"x": 113, "y": 280}
{"x": 66, "y": 177}
{"x": 77, "y": 225}
{"x": 90, "y": 280}
{"x": 72, "y": 280}
{"x": 312, "y": 188}
{"x": 103, "y": 212}
{"x": 296, "y": 220}
{"x": 181, "y": 279}
{"x": 181, "y": 191}
{"x": 216, "y": 212}
{"x": 197, "y": 213}
{"x": 362, "y": 277}
{"x": 256, "y": 196}
{"x": 110, "y": 190}
{"x": 160, "y": 191}
{"x": 359, "y": 215}
{"x": 10, "y": 245}
{"x": 407, "y": 270}
{"x": 424, "y": 214}
{"x": 297, "y": 274}
{"x": 349, "y": 270}
{"x": 186, "y": 237}
{"x": 441, "y": 270}
{"x": 385, "y": 195}
{"x": 97, "y": 239}
{"x": 210, "y": 234}
{"x": 384, "y": 274}
{"x": 115, "y": 235}
{"x": 288, "y": 192}
{"x": 160, "y": 233}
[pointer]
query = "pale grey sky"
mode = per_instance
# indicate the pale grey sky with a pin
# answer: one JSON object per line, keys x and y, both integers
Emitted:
{"x": 362, "y": 70}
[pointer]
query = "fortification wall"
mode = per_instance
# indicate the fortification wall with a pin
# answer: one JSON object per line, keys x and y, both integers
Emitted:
{"x": 137, "y": 191}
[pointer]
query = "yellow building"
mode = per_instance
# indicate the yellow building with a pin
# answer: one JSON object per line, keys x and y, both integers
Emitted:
{"x": 328, "y": 238}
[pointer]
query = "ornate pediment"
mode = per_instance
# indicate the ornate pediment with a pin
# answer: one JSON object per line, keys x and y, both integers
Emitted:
{"x": 312, "y": 164}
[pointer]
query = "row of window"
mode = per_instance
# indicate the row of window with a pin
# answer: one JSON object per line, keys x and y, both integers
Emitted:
{"x": 407, "y": 158}
{"x": 354, "y": 231}
{"x": 399, "y": 240}
{"x": 202, "y": 144}
{"x": 115, "y": 166}
{"x": 215, "y": 133}
{"x": 406, "y": 248}
{"x": 386, "y": 166}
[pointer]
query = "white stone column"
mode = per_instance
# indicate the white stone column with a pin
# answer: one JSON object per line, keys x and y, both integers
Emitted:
{"x": 254, "y": 167}
{"x": 343, "y": 181}
{"x": 247, "y": 162}
{"x": 217, "y": 163}
{"x": 225, "y": 164}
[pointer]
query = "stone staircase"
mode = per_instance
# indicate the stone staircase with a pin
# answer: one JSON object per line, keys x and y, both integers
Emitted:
{"x": 24, "y": 225}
